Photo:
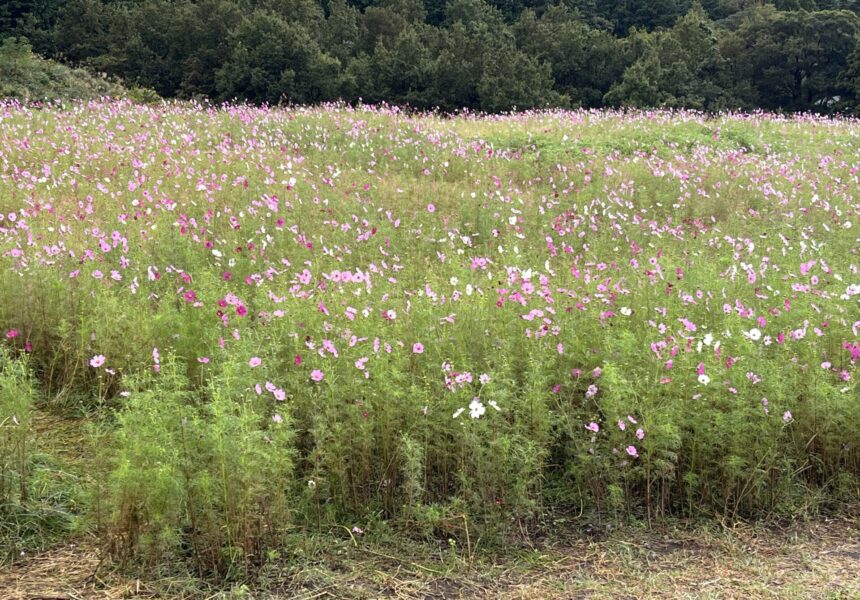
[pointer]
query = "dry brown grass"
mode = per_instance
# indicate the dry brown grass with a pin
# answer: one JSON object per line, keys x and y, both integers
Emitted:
{"x": 819, "y": 559}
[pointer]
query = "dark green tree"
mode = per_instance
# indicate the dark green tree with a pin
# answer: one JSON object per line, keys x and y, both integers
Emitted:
{"x": 210, "y": 24}
{"x": 790, "y": 60}
{"x": 584, "y": 61}
{"x": 273, "y": 60}
{"x": 82, "y": 31}
{"x": 341, "y": 32}
{"x": 680, "y": 67}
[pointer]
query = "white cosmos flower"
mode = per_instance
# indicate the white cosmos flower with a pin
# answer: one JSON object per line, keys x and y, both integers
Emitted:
{"x": 626, "y": 311}
{"x": 754, "y": 334}
{"x": 476, "y": 409}
{"x": 708, "y": 339}
{"x": 704, "y": 379}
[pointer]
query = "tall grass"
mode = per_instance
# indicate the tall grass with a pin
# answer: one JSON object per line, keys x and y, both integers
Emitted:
{"x": 338, "y": 317}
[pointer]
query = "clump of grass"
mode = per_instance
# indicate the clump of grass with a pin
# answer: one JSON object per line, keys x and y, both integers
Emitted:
{"x": 37, "y": 500}
{"x": 199, "y": 475}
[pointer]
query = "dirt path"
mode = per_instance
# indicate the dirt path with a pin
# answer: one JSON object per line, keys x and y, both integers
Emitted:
{"x": 813, "y": 560}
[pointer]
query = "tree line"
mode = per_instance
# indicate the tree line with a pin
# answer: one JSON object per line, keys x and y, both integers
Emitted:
{"x": 491, "y": 55}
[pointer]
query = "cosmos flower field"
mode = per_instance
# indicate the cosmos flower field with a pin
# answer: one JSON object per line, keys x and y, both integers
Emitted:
{"x": 454, "y": 326}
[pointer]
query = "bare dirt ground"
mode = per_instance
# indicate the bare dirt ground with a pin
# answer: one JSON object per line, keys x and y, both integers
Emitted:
{"x": 819, "y": 559}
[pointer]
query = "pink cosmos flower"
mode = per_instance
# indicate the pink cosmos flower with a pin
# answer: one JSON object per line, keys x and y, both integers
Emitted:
{"x": 97, "y": 361}
{"x": 431, "y": 208}
{"x": 255, "y": 362}
{"x": 418, "y": 348}
{"x": 593, "y": 427}
{"x": 631, "y": 450}
{"x": 317, "y": 375}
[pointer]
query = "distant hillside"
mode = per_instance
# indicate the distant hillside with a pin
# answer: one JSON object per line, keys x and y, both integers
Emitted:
{"x": 26, "y": 76}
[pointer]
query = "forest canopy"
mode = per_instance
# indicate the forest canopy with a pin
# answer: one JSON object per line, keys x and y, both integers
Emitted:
{"x": 788, "y": 55}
